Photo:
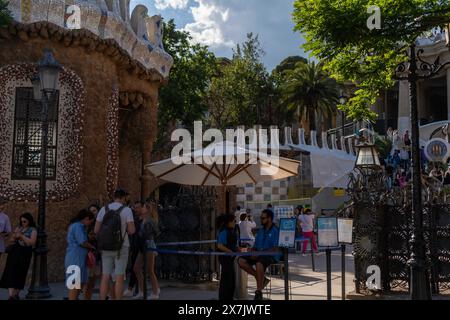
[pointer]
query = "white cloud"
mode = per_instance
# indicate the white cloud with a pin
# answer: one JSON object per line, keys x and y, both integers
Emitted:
{"x": 221, "y": 24}
{"x": 174, "y": 4}
{"x": 209, "y": 20}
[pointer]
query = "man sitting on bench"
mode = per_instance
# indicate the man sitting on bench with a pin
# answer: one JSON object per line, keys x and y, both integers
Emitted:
{"x": 266, "y": 240}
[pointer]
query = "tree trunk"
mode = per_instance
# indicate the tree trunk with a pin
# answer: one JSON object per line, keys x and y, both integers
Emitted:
{"x": 312, "y": 120}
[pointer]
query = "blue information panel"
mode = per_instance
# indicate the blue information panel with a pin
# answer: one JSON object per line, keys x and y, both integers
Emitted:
{"x": 327, "y": 229}
{"x": 287, "y": 233}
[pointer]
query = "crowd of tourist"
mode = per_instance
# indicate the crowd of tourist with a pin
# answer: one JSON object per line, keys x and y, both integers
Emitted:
{"x": 111, "y": 244}
{"x": 398, "y": 163}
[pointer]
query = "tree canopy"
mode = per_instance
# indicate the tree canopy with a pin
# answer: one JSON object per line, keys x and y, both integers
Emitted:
{"x": 4, "y": 13}
{"x": 336, "y": 32}
{"x": 309, "y": 91}
{"x": 239, "y": 93}
{"x": 183, "y": 101}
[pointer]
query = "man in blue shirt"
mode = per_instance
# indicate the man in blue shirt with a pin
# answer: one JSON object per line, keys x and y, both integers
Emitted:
{"x": 266, "y": 240}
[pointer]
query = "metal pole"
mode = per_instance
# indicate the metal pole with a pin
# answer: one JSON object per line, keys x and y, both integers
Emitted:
{"x": 343, "y": 249}
{"x": 419, "y": 282}
{"x": 286, "y": 274}
{"x": 312, "y": 258}
{"x": 328, "y": 252}
{"x": 39, "y": 288}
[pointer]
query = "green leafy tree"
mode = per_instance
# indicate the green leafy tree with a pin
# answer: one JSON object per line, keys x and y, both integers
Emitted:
{"x": 336, "y": 32}
{"x": 309, "y": 91}
{"x": 183, "y": 101}
{"x": 283, "y": 116}
{"x": 239, "y": 93}
{"x": 288, "y": 64}
{"x": 5, "y": 16}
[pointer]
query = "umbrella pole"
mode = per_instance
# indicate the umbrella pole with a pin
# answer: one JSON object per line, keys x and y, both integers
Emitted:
{"x": 225, "y": 202}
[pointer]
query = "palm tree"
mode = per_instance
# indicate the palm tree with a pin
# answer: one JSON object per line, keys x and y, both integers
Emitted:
{"x": 310, "y": 91}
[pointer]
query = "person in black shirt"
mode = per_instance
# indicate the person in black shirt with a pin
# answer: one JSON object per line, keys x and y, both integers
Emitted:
{"x": 135, "y": 246}
{"x": 227, "y": 242}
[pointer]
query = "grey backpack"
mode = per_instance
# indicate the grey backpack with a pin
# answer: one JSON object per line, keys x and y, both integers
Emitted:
{"x": 110, "y": 237}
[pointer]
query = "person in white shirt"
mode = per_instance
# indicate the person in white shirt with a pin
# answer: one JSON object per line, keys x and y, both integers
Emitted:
{"x": 115, "y": 262}
{"x": 246, "y": 225}
{"x": 307, "y": 223}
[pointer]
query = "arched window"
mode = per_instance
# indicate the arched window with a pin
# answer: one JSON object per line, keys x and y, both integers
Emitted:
{"x": 28, "y": 137}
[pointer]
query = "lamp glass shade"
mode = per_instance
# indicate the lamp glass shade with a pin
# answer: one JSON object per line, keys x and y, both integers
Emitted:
{"x": 37, "y": 92}
{"x": 367, "y": 156}
{"x": 49, "y": 79}
{"x": 49, "y": 70}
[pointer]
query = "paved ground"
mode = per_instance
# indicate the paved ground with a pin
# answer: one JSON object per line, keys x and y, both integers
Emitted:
{"x": 305, "y": 283}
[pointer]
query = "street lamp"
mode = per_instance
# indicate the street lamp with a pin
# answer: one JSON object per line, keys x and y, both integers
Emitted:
{"x": 413, "y": 70}
{"x": 368, "y": 159}
{"x": 342, "y": 101}
{"x": 45, "y": 88}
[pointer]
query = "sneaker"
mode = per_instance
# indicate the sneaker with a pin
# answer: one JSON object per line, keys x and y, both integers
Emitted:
{"x": 139, "y": 296}
{"x": 266, "y": 282}
{"x": 154, "y": 296}
{"x": 303, "y": 254}
{"x": 258, "y": 295}
{"x": 128, "y": 294}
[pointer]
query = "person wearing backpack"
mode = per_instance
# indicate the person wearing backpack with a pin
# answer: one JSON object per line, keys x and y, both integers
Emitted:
{"x": 114, "y": 223}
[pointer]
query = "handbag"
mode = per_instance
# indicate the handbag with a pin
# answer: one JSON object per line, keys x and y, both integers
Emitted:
{"x": 91, "y": 260}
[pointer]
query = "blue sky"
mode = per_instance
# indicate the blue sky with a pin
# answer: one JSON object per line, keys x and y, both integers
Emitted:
{"x": 221, "y": 24}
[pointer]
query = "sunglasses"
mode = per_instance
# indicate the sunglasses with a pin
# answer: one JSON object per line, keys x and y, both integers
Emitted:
{"x": 263, "y": 218}
{"x": 23, "y": 221}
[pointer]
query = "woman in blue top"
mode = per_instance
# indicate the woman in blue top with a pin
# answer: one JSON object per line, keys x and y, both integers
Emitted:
{"x": 227, "y": 242}
{"x": 78, "y": 247}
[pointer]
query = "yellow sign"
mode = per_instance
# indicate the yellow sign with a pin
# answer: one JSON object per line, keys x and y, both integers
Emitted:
{"x": 339, "y": 192}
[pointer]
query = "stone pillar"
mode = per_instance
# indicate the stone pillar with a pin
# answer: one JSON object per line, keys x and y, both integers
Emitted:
{"x": 448, "y": 93}
{"x": 403, "y": 107}
{"x": 421, "y": 101}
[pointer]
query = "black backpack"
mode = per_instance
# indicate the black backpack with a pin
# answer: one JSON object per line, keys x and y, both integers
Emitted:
{"x": 110, "y": 237}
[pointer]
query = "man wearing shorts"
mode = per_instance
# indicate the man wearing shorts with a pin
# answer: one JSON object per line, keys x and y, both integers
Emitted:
{"x": 266, "y": 240}
{"x": 115, "y": 262}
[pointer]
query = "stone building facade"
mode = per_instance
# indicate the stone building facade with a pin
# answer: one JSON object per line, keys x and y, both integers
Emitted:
{"x": 103, "y": 126}
{"x": 433, "y": 94}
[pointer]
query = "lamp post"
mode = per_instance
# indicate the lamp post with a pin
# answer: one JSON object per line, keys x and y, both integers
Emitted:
{"x": 367, "y": 189}
{"x": 342, "y": 101}
{"x": 412, "y": 71}
{"x": 45, "y": 87}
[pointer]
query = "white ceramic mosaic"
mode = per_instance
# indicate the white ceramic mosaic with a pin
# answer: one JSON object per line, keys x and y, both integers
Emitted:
{"x": 136, "y": 33}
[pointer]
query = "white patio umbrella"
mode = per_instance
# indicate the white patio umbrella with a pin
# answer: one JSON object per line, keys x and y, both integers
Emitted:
{"x": 223, "y": 164}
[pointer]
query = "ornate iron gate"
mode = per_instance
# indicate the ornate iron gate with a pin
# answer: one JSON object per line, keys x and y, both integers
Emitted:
{"x": 187, "y": 214}
{"x": 383, "y": 232}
